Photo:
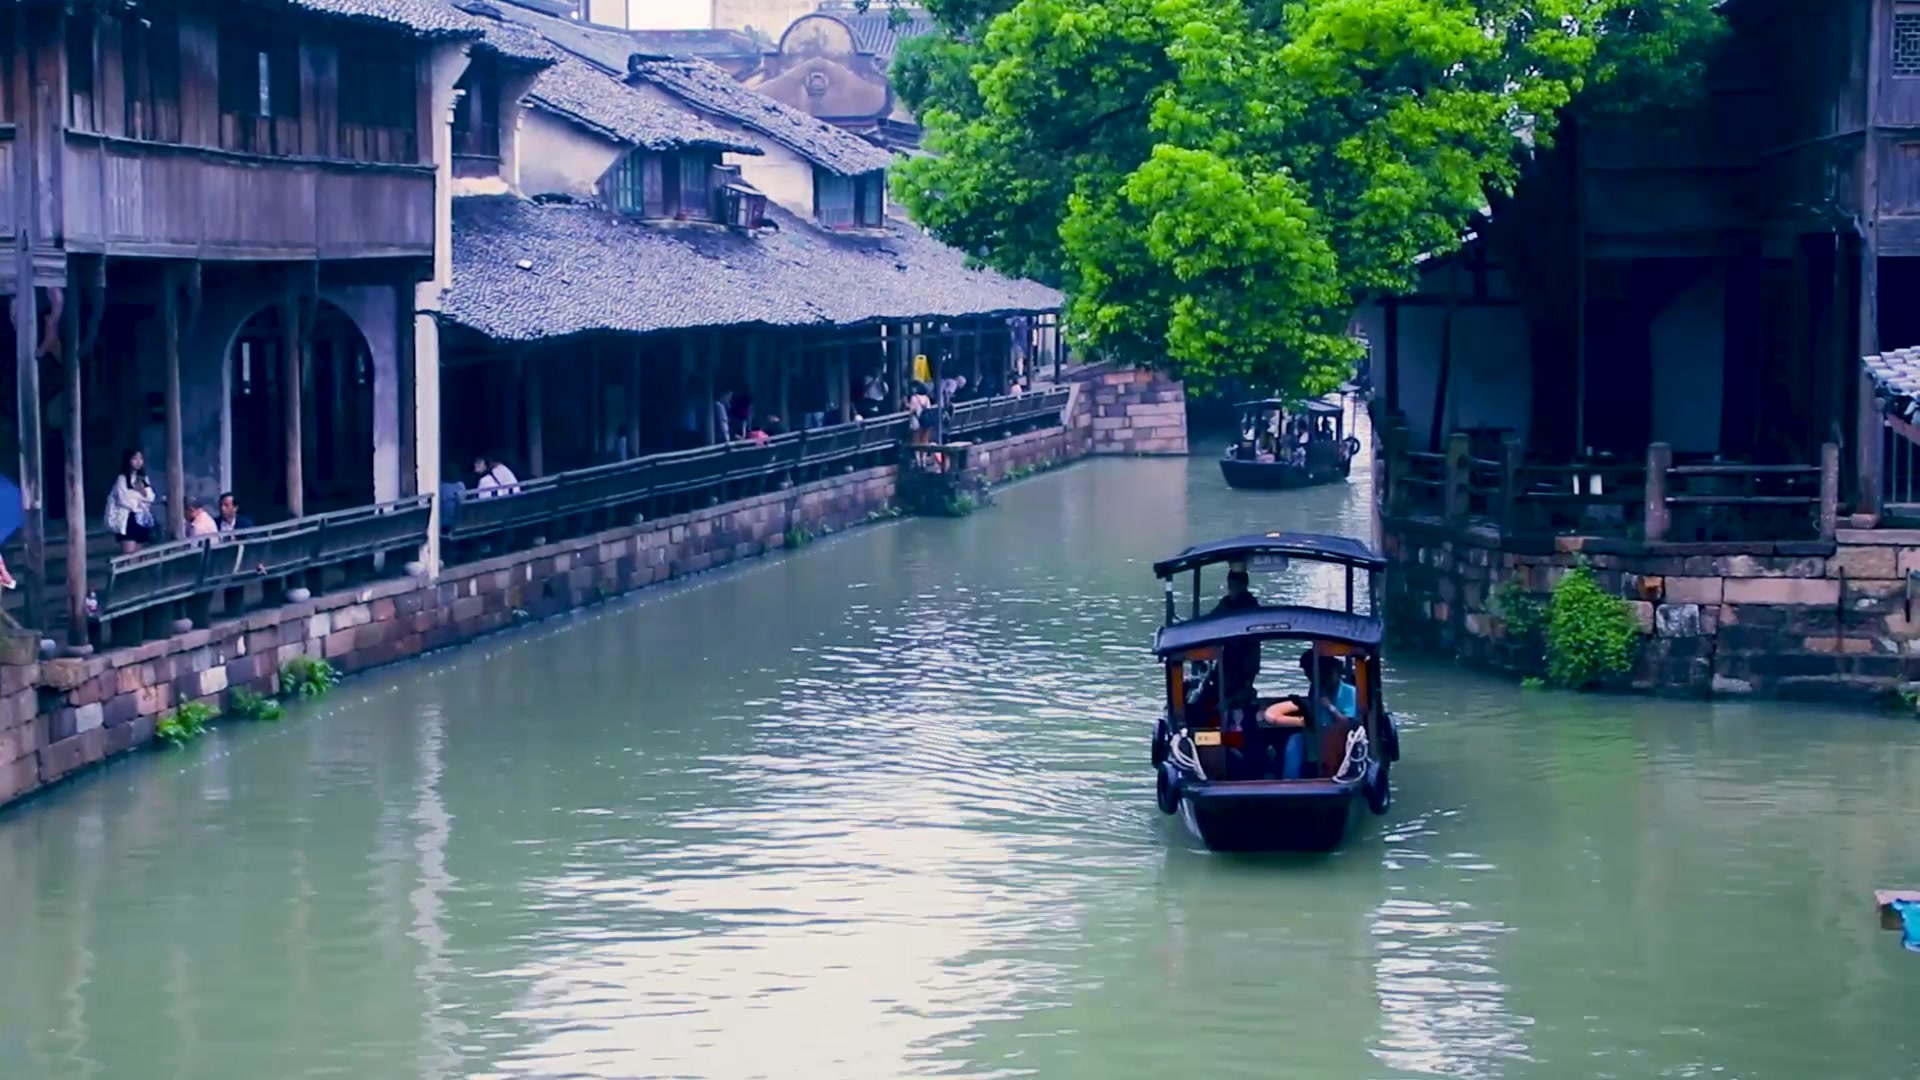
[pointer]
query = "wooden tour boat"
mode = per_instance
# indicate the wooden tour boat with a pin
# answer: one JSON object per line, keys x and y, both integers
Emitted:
{"x": 1283, "y": 445}
{"x": 1251, "y": 771}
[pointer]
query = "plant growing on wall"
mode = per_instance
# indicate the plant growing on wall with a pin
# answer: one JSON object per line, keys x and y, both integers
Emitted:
{"x": 307, "y": 677}
{"x": 1525, "y": 618}
{"x": 248, "y": 705}
{"x": 185, "y": 724}
{"x": 1590, "y": 636}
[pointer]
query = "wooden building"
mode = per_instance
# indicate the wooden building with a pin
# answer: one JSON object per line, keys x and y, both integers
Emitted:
{"x": 1707, "y": 280}
{"x": 668, "y": 235}
{"x": 230, "y": 211}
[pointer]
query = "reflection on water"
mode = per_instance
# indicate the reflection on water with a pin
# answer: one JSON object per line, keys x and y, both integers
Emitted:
{"x": 882, "y": 809}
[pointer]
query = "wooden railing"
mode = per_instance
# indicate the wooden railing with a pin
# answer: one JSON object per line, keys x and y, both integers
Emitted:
{"x": 146, "y": 592}
{"x": 585, "y": 501}
{"x": 1656, "y": 501}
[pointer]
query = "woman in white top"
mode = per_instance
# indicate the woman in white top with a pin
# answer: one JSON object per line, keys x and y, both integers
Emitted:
{"x": 495, "y": 478}
{"x": 130, "y": 504}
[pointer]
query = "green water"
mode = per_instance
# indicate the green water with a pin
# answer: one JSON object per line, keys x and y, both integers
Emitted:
{"x": 882, "y": 810}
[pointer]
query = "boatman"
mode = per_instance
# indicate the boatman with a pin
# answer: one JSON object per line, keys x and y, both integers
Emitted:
{"x": 1240, "y": 660}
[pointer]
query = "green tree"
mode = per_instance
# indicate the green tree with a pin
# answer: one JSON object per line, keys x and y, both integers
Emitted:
{"x": 1217, "y": 183}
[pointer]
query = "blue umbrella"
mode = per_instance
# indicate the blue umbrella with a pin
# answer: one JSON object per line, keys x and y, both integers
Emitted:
{"x": 10, "y": 513}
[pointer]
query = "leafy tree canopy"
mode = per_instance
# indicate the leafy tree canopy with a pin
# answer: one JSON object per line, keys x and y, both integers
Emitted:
{"x": 1217, "y": 183}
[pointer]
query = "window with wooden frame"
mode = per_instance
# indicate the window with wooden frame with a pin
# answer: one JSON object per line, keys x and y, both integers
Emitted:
{"x": 850, "y": 202}
{"x": 476, "y": 119}
{"x": 652, "y": 185}
{"x": 81, "y": 35}
{"x": 1906, "y": 41}
{"x": 150, "y": 63}
{"x": 259, "y": 88}
{"x": 379, "y": 103}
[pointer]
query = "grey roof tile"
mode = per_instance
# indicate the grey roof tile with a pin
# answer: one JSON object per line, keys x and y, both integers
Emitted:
{"x": 425, "y": 18}
{"x": 588, "y": 270}
{"x": 1897, "y": 376}
{"x": 591, "y": 97}
{"x": 707, "y": 87}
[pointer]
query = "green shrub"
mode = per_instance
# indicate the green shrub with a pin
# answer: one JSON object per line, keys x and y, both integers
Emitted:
{"x": 185, "y": 724}
{"x": 797, "y": 537}
{"x": 307, "y": 677}
{"x": 1522, "y": 611}
{"x": 248, "y": 705}
{"x": 1590, "y": 636}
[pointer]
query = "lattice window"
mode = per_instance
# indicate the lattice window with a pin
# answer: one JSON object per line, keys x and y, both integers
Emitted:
{"x": 1906, "y": 43}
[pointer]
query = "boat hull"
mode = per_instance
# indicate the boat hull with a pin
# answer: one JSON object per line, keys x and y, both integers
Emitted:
{"x": 1274, "y": 475}
{"x": 1269, "y": 815}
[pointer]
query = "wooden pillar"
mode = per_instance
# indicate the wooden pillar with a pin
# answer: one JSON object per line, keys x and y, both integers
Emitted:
{"x": 1829, "y": 489}
{"x": 176, "y": 440}
{"x": 26, "y": 321}
{"x": 293, "y": 344}
{"x": 897, "y": 367}
{"x": 1869, "y": 447}
{"x": 845, "y": 352}
{"x": 76, "y": 468}
{"x": 707, "y": 427}
{"x": 536, "y": 380}
{"x": 785, "y": 362}
{"x": 407, "y": 387}
{"x": 635, "y": 372}
{"x": 1513, "y": 454}
{"x": 1659, "y": 460}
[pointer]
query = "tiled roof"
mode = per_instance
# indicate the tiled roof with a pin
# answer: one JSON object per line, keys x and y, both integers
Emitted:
{"x": 707, "y": 87}
{"x": 1897, "y": 375}
{"x": 876, "y": 31}
{"x": 587, "y": 269}
{"x": 591, "y": 97}
{"x": 724, "y": 44}
{"x": 424, "y": 18}
{"x": 504, "y": 37}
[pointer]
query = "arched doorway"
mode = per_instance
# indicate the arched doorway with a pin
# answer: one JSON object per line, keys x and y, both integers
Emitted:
{"x": 336, "y": 423}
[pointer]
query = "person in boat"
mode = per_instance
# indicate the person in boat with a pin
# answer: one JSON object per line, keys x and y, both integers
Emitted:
{"x": 1331, "y": 700}
{"x": 1239, "y": 660}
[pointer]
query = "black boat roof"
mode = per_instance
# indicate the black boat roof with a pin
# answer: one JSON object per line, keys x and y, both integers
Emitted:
{"x": 1315, "y": 547}
{"x": 1317, "y": 407}
{"x": 1270, "y": 624}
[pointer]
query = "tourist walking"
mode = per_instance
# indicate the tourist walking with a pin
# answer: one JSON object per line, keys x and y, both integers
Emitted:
{"x": 130, "y": 504}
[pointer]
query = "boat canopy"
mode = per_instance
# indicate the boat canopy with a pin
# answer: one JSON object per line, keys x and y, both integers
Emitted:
{"x": 1313, "y": 547}
{"x": 1270, "y": 624}
{"x": 1316, "y": 407}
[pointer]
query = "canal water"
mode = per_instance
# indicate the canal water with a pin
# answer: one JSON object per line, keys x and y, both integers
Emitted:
{"x": 882, "y": 809}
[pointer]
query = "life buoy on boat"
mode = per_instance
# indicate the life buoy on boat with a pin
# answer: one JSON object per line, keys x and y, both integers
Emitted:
{"x": 1166, "y": 789}
{"x": 1352, "y": 445}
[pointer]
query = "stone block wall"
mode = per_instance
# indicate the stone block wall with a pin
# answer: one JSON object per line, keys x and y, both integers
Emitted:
{"x": 60, "y": 717}
{"x": 1134, "y": 411}
{"x": 1804, "y": 620}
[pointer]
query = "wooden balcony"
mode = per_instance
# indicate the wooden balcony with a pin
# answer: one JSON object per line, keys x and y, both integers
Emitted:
{"x": 126, "y": 197}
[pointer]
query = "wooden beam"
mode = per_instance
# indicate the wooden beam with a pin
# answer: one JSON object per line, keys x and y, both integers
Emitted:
{"x": 70, "y": 342}
{"x": 714, "y": 434}
{"x": 176, "y": 441}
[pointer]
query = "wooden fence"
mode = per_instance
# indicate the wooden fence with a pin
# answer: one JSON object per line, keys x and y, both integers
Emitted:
{"x": 1659, "y": 500}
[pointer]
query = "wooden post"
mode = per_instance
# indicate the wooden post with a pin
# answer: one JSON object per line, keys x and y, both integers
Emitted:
{"x": 1459, "y": 478}
{"x": 1394, "y": 435}
{"x": 293, "y": 339}
{"x": 176, "y": 440}
{"x": 535, "y": 374}
{"x": 76, "y": 472}
{"x": 1869, "y": 450}
{"x": 784, "y": 361}
{"x": 845, "y": 368}
{"x": 1659, "y": 460}
{"x": 26, "y": 316}
{"x": 706, "y": 403}
{"x": 1829, "y": 489}
{"x": 635, "y": 373}
{"x": 897, "y": 367}
{"x": 1513, "y": 454}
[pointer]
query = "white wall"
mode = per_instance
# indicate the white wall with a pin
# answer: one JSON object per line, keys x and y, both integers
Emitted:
{"x": 1689, "y": 361}
{"x": 557, "y": 157}
{"x": 1491, "y": 382}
